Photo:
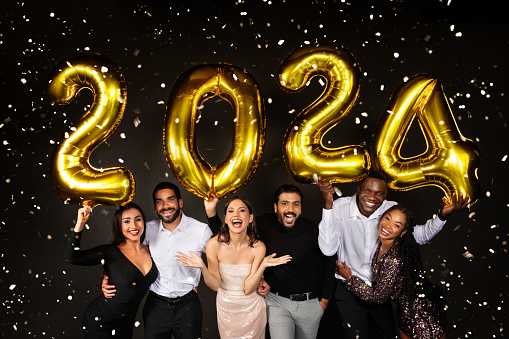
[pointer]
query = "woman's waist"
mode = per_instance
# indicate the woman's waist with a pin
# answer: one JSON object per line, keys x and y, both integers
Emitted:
{"x": 231, "y": 291}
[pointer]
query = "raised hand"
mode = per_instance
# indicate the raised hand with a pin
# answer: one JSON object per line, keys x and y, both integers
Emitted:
{"x": 83, "y": 214}
{"x": 327, "y": 191}
{"x": 270, "y": 260}
{"x": 190, "y": 261}
{"x": 458, "y": 204}
{"x": 210, "y": 205}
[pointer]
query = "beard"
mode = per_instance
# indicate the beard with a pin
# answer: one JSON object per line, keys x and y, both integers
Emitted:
{"x": 281, "y": 217}
{"x": 168, "y": 219}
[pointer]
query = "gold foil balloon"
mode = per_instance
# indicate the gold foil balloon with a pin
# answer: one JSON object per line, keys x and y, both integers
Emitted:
{"x": 450, "y": 160}
{"x": 304, "y": 151}
{"x": 191, "y": 90}
{"x": 74, "y": 179}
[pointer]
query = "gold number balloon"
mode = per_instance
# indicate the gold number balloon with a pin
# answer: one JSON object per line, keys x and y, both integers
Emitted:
{"x": 450, "y": 160}
{"x": 74, "y": 179}
{"x": 191, "y": 90}
{"x": 304, "y": 151}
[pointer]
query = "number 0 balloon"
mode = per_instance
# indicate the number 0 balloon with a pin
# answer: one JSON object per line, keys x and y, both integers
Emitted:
{"x": 191, "y": 90}
{"x": 304, "y": 151}
{"x": 74, "y": 179}
{"x": 450, "y": 161}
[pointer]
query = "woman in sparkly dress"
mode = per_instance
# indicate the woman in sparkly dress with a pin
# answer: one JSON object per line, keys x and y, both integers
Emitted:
{"x": 236, "y": 261}
{"x": 399, "y": 275}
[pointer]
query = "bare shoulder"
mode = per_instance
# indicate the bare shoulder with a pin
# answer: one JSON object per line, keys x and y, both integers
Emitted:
{"x": 213, "y": 243}
{"x": 259, "y": 246}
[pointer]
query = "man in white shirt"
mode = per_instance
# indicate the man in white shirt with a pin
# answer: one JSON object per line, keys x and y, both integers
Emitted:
{"x": 349, "y": 227}
{"x": 172, "y": 306}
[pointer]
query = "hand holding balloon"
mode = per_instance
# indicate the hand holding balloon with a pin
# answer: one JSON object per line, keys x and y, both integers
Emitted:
{"x": 457, "y": 205}
{"x": 83, "y": 214}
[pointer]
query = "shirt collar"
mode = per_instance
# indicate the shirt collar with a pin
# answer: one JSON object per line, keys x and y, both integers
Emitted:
{"x": 355, "y": 213}
{"x": 182, "y": 226}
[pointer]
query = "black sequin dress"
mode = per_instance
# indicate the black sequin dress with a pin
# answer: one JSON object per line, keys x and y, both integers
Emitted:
{"x": 114, "y": 317}
{"x": 418, "y": 317}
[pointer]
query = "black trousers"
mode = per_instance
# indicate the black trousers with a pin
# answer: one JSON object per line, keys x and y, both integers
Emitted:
{"x": 362, "y": 319}
{"x": 162, "y": 319}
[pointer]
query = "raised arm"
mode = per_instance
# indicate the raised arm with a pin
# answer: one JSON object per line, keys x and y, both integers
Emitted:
{"x": 327, "y": 240}
{"x": 426, "y": 232}
{"x": 73, "y": 254}
{"x": 210, "y": 209}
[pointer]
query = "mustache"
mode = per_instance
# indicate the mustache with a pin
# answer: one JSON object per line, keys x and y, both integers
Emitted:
{"x": 170, "y": 209}
{"x": 290, "y": 214}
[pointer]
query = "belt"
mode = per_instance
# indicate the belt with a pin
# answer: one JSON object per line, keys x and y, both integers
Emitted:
{"x": 299, "y": 296}
{"x": 174, "y": 301}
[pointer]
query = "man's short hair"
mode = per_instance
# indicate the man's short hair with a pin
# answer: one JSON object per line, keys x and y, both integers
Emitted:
{"x": 287, "y": 189}
{"x": 376, "y": 175}
{"x": 165, "y": 185}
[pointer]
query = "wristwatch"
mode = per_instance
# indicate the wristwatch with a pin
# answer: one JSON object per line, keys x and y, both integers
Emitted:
{"x": 441, "y": 216}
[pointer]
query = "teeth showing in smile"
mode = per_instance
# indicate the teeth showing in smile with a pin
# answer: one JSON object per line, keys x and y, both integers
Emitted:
{"x": 385, "y": 232}
{"x": 289, "y": 215}
{"x": 134, "y": 232}
{"x": 236, "y": 223}
{"x": 369, "y": 203}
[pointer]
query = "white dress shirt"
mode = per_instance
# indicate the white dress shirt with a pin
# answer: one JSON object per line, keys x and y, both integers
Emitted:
{"x": 353, "y": 236}
{"x": 175, "y": 280}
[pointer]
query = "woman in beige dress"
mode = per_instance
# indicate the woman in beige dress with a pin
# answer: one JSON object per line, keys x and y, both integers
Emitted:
{"x": 236, "y": 261}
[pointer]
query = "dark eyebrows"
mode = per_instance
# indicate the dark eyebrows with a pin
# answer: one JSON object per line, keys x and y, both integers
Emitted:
{"x": 290, "y": 202}
{"x": 136, "y": 216}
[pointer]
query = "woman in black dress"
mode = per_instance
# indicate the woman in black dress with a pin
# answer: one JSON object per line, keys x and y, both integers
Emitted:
{"x": 128, "y": 264}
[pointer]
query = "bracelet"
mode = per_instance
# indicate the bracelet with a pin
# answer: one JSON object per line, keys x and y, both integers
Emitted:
{"x": 441, "y": 216}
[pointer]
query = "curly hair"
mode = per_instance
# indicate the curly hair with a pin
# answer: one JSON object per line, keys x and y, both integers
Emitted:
{"x": 224, "y": 232}
{"x": 412, "y": 268}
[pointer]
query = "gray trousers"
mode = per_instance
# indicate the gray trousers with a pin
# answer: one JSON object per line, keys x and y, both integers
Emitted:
{"x": 290, "y": 319}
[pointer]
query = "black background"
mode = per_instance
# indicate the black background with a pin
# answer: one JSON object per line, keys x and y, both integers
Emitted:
{"x": 464, "y": 43}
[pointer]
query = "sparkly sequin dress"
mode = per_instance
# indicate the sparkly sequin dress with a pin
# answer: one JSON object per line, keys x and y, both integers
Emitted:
{"x": 425, "y": 320}
{"x": 239, "y": 315}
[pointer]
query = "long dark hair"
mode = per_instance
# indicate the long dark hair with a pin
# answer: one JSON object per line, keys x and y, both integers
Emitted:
{"x": 116, "y": 236}
{"x": 412, "y": 268}
{"x": 252, "y": 233}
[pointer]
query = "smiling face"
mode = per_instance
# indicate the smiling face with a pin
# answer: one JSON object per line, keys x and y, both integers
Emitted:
{"x": 237, "y": 216}
{"x": 133, "y": 224}
{"x": 288, "y": 208}
{"x": 392, "y": 225}
{"x": 167, "y": 206}
{"x": 371, "y": 194}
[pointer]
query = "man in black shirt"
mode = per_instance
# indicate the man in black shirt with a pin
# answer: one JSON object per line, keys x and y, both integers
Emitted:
{"x": 301, "y": 289}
